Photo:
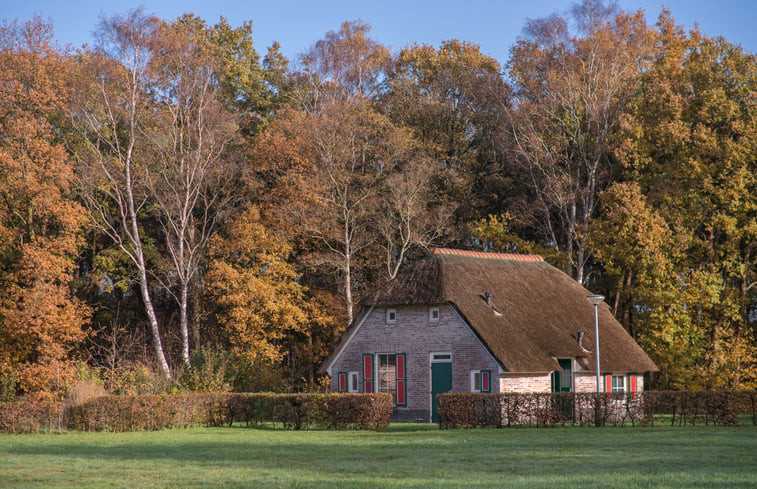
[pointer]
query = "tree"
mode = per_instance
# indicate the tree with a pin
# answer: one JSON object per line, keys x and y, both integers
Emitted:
{"x": 694, "y": 123}
{"x": 260, "y": 302}
{"x": 351, "y": 64}
{"x": 112, "y": 114}
{"x": 41, "y": 225}
{"x": 410, "y": 215}
{"x": 453, "y": 99}
{"x": 193, "y": 134}
{"x": 330, "y": 171}
{"x": 637, "y": 251}
{"x": 569, "y": 94}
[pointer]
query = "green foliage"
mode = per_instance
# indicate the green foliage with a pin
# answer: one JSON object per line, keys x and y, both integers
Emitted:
{"x": 8, "y": 386}
{"x": 495, "y": 233}
{"x": 210, "y": 370}
{"x": 680, "y": 239}
{"x": 135, "y": 380}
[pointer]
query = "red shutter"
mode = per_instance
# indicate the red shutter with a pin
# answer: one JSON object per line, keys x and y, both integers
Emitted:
{"x": 632, "y": 383}
{"x": 342, "y": 382}
{"x": 367, "y": 372}
{"x": 486, "y": 385}
{"x": 608, "y": 383}
{"x": 401, "y": 380}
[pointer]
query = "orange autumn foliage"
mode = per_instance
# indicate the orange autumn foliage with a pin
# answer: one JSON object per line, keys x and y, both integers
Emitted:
{"x": 40, "y": 224}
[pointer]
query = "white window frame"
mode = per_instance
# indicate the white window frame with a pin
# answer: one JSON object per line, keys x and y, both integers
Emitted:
{"x": 431, "y": 311}
{"x": 391, "y": 312}
{"x": 377, "y": 381}
{"x": 353, "y": 375}
{"x": 622, "y": 378}
{"x": 473, "y": 374}
{"x": 441, "y": 357}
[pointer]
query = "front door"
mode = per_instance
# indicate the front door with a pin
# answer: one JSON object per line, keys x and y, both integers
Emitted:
{"x": 563, "y": 382}
{"x": 441, "y": 382}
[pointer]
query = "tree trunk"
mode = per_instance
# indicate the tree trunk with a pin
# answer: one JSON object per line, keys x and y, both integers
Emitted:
{"x": 348, "y": 290}
{"x": 153, "y": 320}
{"x": 184, "y": 322}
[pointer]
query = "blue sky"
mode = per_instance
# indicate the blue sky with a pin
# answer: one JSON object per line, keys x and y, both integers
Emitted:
{"x": 494, "y": 24}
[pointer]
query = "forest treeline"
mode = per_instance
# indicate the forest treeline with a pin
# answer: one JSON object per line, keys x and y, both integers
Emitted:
{"x": 176, "y": 206}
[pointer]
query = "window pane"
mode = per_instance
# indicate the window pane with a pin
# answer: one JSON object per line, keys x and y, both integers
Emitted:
{"x": 387, "y": 372}
{"x": 477, "y": 381}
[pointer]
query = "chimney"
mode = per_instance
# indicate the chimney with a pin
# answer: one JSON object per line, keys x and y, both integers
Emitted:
{"x": 488, "y": 297}
{"x": 581, "y": 339}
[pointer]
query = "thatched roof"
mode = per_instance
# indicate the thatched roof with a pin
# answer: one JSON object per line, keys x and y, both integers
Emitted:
{"x": 535, "y": 311}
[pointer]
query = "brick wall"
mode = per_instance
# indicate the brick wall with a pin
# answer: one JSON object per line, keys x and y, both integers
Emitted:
{"x": 585, "y": 382}
{"x": 417, "y": 337}
{"x": 525, "y": 382}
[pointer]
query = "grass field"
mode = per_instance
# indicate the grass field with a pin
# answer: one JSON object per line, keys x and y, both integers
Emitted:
{"x": 408, "y": 456}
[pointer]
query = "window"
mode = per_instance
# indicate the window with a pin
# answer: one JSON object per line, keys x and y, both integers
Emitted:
{"x": 433, "y": 314}
{"x": 391, "y": 376}
{"x": 353, "y": 382}
{"x": 618, "y": 383}
{"x": 480, "y": 381}
{"x": 387, "y": 370}
{"x": 441, "y": 357}
{"x": 391, "y": 316}
{"x": 475, "y": 381}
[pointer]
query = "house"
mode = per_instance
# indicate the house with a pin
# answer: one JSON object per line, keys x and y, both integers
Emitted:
{"x": 481, "y": 322}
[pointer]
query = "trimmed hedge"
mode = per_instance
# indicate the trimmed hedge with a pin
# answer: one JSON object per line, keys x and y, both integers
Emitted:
{"x": 140, "y": 413}
{"x": 30, "y": 414}
{"x": 297, "y": 411}
{"x": 570, "y": 408}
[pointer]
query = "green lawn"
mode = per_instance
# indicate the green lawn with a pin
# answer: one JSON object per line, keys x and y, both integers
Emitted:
{"x": 408, "y": 456}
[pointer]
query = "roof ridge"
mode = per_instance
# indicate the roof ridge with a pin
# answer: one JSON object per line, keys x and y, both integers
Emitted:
{"x": 487, "y": 254}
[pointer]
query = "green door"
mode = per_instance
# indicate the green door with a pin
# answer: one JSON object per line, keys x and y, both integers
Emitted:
{"x": 441, "y": 382}
{"x": 563, "y": 382}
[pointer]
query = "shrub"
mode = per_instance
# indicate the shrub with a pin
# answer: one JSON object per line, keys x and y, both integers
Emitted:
{"x": 546, "y": 409}
{"x": 147, "y": 412}
{"x": 211, "y": 370}
{"x": 135, "y": 380}
{"x": 297, "y": 411}
{"x": 30, "y": 414}
{"x": 364, "y": 411}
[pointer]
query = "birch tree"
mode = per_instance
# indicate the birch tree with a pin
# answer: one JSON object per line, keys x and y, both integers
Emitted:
{"x": 193, "y": 176}
{"x": 569, "y": 93}
{"x": 110, "y": 111}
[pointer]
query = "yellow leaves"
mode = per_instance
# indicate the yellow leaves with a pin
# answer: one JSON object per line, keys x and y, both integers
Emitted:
{"x": 259, "y": 299}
